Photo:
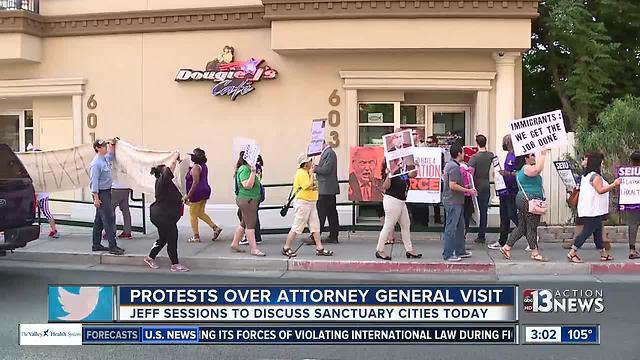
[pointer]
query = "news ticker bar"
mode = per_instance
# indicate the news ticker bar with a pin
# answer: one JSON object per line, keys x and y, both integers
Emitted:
{"x": 561, "y": 334}
{"x": 83, "y": 334}
{"x": 201, "y": 304}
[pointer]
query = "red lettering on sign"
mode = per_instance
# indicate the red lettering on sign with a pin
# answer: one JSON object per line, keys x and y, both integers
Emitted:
{"x": 424, "y": 184}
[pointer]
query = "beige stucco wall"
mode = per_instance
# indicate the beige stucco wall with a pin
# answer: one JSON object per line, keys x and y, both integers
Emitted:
{"x": 67, "y": 7}
{"x": 132, "y": 77}
{"x": 20, "y": 47}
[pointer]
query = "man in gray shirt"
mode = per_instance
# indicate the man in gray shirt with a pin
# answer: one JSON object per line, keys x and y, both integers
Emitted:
{"x": 453, "y": 200}
{"x": 481, "y": 163}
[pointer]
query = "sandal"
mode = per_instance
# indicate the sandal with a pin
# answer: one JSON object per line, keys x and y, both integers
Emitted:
{"x": 324, "y": 252}
{"x": 289, "y": 252}
{"x": 258, "y": 253}
{"x": 237, "y": 250}
{"x": 506, "y": 253}
{"x": 216, "y": 233}
{"x": 539, "y": 257}
{"x": 606, "y": 257}
{"x": 194, "y": 240}
{"x": 634, "y": 255}
{"x": 574, "y": 259}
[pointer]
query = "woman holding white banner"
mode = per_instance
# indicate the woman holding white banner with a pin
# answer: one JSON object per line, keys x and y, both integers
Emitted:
{"x": 593, "y": 203}
{"x": 395, "y": 209}
{"x": 530, "y": 184}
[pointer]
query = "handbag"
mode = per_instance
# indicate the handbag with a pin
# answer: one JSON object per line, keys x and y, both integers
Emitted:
{"x": 572, "y": 200}
{"x": 536, "y": 206}
{"x": 285, "y": 207}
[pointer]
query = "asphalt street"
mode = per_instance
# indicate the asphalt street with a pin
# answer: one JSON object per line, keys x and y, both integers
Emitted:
{"x": 23, "y": 298}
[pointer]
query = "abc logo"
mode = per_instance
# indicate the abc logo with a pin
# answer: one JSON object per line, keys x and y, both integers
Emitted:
{"x": 537, "y": 300}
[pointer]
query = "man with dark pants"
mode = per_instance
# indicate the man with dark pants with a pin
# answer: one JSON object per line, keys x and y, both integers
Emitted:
{"x": 481, "y": 163}
{"x": 508, "y": 212}
{"x": 327, "y": 174}
{"x": 453, "y": 200}
{"x": 101, "y": 180}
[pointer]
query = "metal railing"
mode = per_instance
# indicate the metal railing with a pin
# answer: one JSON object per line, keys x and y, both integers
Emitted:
{"x": 141, "y": 200}
{"x": 28, "y": 5}
{"x": 354, "y": 226}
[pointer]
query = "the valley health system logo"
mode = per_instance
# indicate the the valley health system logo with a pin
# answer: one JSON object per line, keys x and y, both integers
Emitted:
{"x": 81, "y": 303}
{"x": 567, "y": 300}
{"x": 232, "y": 78}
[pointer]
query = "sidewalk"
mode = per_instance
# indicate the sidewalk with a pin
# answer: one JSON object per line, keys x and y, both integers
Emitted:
{"x": 355, "y": 253}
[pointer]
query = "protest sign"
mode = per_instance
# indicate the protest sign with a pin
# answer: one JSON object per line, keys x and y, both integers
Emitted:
{"x": 498, "y": 179}
{"x": 567, "y": 174}
{"x": 365, "y": 173}
{"x": 251, "y": 152}
{"x": 469, "y": 151}
{"x": 317, "y": 137}
{"x": 629, "y": 188}
{"x": 531, "y": 134}
{"x": 398, "y": 151}
{"x": 248, "y": 146}
{"x": 425, "y": 187}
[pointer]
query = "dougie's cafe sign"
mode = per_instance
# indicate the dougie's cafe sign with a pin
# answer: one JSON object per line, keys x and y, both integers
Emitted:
{"x": 231, "y": 78}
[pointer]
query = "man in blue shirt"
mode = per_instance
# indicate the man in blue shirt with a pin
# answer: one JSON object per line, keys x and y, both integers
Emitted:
{"x": 101, "y": 180}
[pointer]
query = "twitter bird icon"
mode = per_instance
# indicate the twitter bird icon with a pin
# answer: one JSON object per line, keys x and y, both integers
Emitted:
{"x": 80, "y": 303}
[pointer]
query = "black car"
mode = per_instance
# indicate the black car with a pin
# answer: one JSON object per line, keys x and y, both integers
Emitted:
{"x": 17, "y": 203}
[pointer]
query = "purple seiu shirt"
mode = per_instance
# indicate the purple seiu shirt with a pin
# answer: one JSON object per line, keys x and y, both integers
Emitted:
{"x": 509, "y": 180}
{"x": 203, "y": 190}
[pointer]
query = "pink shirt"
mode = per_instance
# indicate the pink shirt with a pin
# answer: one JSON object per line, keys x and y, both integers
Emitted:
{"x": 467, "y": 175}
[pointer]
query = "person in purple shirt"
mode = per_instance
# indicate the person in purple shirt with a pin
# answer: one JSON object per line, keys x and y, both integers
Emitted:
{"x": 508, "y": 212}
{"x": 198, "y": 192}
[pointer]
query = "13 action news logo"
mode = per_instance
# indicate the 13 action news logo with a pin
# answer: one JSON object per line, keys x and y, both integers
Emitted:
{"x": 569, "y": 301}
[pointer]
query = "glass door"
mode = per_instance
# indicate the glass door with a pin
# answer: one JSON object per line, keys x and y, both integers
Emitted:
{"x": 448, "y": 123}
{"x": 10, "y": 129}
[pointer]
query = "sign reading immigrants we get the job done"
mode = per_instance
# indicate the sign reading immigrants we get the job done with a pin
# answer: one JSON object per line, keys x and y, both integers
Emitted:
{"x": 531, "y": 134}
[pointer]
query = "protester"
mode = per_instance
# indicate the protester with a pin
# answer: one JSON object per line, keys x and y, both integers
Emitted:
{"x": 453, "y": 200}
{"x": 467, "y": 176}
{"x": 259, "y": 172}
{"x": 396, "y": 189}
{"x": 530, "y": 187}
{"x": 305, "y": 210}
{"x": 419, "y": 211}
{"x": 165, "y": 213}
{"x": 198, "y": 192}
{"x": 633, "y": 217}
{"x": 432, "y": 141}
{"x": 507, "y": 196}
{"x": 42, "y": 199}
{"x": 100, "y": 183}
{"x": 593, "y": 203}
{"x": 328, "y": 187}
{"x": 481, "y": 163}
{"x": 248, "y": 197}
{"x": 120, "y": 198}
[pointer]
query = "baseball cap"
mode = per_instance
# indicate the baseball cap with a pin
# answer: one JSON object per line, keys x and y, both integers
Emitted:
{"x": 303, "y": 159}
{"x": 197, "y": 152}
{"x": 99, "y": 143}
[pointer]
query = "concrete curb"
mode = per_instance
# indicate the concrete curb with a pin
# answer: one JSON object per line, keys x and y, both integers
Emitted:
{"x": 530, "y": 268}
{"x": 390, "y": 266}
{"x": 609, "y": 268}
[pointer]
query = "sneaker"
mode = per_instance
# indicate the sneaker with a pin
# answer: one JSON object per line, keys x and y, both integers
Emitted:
{"x": 244, "y": 241}
{"x": 453, "y": 259}
{"x": 258, "y": 241}
{"x": 119, "y": 248}
{"x": 116, "y": 251}
{"x": 527, "y": 249}
{"x": 99, "y": 248}
{"x": 179, "y": 268}
{"x": 467, "y": 254}
{"x": 54, "y": 234}
{"x": 495, "y": 246}
{"x": 152, "y": 263}
{"x": 125, "y": 235}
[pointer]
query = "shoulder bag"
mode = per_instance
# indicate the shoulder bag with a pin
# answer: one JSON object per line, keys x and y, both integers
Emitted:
{"x": 285, "y": 207}
{"x": 536, "y": 206}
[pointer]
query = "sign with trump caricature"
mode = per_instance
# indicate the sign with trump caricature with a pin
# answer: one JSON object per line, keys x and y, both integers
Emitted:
{"x": 365, "y": 174}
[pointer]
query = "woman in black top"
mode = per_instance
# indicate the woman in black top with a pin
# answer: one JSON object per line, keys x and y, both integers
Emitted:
{"x": 395, "y": 210}
{"x": 165, "y": 213}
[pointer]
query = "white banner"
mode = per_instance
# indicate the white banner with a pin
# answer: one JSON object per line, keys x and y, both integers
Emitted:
{"x": 425, "y": 187}
{"x": 498, "y": 179}
{"x": 531, "y": 134}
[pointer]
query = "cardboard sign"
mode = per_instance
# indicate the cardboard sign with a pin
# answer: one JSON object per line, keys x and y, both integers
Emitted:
{"x": 365, "y": 174}
{"x": 531, "y": 134}
{"x": 629, "y": 188}
{"x": 399, "y": 150}
{"x": 425, "y": 187}
{"x": 317, "y": 137}
{"x": 498, "y": 179}
{"x": 567, "y": 174}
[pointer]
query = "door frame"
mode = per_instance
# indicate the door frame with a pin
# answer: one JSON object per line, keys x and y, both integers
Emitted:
{"x": 453, "y": 108}
{"x": 20, "y": 115}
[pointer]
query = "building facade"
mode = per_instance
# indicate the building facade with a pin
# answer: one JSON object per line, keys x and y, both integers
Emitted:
{"x": 160, "y": 74}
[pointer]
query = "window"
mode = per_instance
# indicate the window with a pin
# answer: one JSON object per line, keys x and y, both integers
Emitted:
{"x": 28, "y": 128}
{"x": 375, "y": 120}
{"x": 16, "y": 129}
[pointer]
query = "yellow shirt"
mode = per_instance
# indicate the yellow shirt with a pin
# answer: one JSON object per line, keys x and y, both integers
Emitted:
{"x": 308, "y": 188}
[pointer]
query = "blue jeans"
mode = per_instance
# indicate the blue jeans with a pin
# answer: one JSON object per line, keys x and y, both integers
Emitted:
{"x": 483, "y": 207}
{"x": 104, "y": 220}
{"x": 453, "y": 231}
{"x": 592, "y": 226}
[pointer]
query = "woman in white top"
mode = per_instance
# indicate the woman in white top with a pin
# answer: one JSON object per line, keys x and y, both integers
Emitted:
{"x": 593, "y": 203}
